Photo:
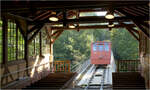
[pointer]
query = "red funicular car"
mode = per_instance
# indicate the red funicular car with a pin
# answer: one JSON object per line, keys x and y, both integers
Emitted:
{"x": 101, "y": 52}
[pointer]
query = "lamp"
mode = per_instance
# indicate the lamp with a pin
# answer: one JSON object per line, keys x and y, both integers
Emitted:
{"x": 109, "y": 15}
{"x": 71, "y": 26}
{"x": 53, "y": 17}
{"x": 110, "y": 25}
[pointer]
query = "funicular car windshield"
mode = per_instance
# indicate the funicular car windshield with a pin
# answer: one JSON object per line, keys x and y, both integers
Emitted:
{"x": 100, "y": 46}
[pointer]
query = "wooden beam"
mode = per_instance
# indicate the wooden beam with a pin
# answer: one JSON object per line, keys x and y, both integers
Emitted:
{"x": 55, "y": 33}
{"x": 90, "y": 27}
{"x": 145, "y": 31}
{"x": 60, "y": 32}
{"x": 130, "y": 12}
{"x": 70, "y": 5}
{"x": 20, "y": 28}
{"x": 91, "y": 10}
{"x": 15, "y": 17}
{"x": 37, "y": 25}
{"x": 128, "y": 15}
{"x": 134, "y": 11}
{"x": 136, "y": 31}
{"x": 35, "y": 33}
{"x": 143, "y": 9}
{"x": 41, "y": 15}
{"x": 139, "y": 10}
{"x": 130, "y": 31}
{"x": 92, "y": 19}
{"x": 34, "y": 28}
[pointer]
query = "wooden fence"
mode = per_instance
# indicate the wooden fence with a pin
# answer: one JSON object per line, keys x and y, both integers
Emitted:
{"x": 61, "y": 66}
{"x": 128, "y": 65}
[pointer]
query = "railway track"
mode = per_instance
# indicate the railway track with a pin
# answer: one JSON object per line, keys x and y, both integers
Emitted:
{"x": 95, "y": 79}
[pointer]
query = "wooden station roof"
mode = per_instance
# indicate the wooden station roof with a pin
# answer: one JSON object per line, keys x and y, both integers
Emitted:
{"x": 128, "y": 13}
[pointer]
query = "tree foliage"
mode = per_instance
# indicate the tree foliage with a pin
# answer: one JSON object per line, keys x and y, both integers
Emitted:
{"x": 76, "y": 46}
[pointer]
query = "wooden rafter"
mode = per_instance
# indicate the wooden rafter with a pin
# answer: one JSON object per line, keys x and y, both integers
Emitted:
{"x": 130, "y": 31}
{"x": 136, "y": 31}
{"x": 37, "y": 25}
{"x": 55, "y": 33}
{"x": 132, "y": 16}
{"x": 134, "y": 11}
{"x": 35, "y": 33}
{"x": 145, "y": 31}
{"x": 130, "y": 12}
{"x": 139, "y": 10}
{"x": 143, "y": 9}
{"x": 41, "y": 15}
{"x": 137, "y": 23}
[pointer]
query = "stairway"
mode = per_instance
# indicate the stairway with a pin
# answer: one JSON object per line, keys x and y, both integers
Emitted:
{"x": 53, "y": 81}
{"x": 128, "y": 80}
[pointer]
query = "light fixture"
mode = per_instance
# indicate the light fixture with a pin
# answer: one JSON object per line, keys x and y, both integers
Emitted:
{"x": 110, "y": 25}
{"x": 109, "y": 15}
{"x": 53, "y": 17}
{"x": 71, "y": 26}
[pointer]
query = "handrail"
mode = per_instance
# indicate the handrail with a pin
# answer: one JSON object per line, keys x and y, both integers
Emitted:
{"x": 80, "y": 66}
{"x": 15, "y": 72}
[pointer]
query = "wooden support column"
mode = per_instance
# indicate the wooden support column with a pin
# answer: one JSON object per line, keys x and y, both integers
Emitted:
{"x": 5, "y": 50}
{"x": 5, "y": 40}
{"x": 51, "y": 47}
{"x": 26, "y": 47}
{"x": 50, "y": 33}
{"x": 40, "y": 42}
{"x": 17, "y": 48}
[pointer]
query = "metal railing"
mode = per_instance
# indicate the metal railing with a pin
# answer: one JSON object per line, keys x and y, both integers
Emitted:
{"x": 127, "y": 65}
{"x": 80, "y": 66}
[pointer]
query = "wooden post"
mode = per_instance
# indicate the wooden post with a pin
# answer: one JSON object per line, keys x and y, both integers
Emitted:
{"x": 51, "y": 45}
{"x": 40, "y": 42}
{"x": 5, "y": 40}
{"x": 26, "y": 53}
{"x": 117, "y": 65}
{"x": 5, "y": 46}
{"x": 17, "y": 47}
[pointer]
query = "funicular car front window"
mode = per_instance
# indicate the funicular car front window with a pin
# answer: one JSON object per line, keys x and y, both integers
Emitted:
{"x": 106, "y": 47}
{"x": 101, "y": 47}
{"x": 94, "y": 47}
